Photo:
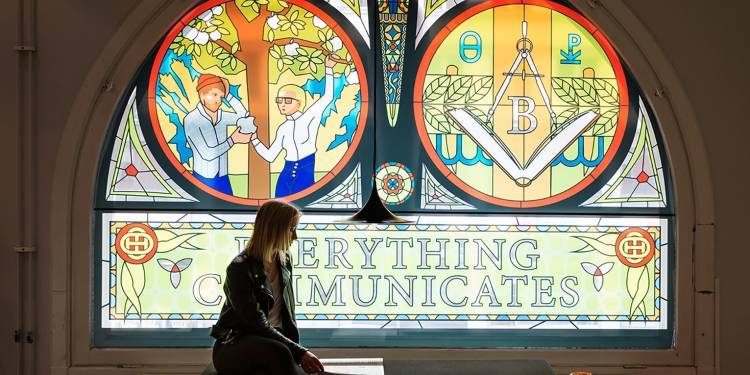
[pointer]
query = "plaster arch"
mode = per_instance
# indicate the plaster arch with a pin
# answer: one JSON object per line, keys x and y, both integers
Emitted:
{"x": 83, "y": 136}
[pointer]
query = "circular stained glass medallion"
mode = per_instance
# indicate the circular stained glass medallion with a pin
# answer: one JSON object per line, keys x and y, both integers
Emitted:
{"x": 272, "y": 71}
{"x": 394, "y": 182}
{"x": 520, "y": 104}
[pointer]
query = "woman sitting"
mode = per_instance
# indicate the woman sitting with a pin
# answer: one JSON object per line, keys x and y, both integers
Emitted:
{"x": 256, "y": 331}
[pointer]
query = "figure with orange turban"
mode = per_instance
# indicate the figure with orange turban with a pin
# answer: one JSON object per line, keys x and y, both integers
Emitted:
{"x": 206, "y": 131}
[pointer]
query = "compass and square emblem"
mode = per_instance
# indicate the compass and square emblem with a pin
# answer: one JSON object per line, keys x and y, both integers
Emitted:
{"x": 520, "y": 104}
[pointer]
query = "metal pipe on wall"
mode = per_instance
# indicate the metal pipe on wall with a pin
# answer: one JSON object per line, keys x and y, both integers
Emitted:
{"x": 26, "y": 250}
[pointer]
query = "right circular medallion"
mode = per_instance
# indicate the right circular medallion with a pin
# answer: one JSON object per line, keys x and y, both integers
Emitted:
{"x": 520, "y": 104}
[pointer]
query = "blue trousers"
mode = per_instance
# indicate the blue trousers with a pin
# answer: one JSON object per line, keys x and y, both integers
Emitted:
{"x": 220, "y": 183}
{"x": 296, "y": 176}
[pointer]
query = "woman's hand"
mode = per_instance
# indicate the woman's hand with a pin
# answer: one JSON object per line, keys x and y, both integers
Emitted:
{"x": 310, "y": 363}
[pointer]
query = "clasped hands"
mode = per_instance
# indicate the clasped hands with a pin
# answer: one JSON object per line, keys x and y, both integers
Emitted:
{"x": 246, "y": 130}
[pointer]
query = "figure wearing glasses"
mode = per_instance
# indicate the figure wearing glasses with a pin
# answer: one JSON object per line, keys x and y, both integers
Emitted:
{"x": 297, "y": 135}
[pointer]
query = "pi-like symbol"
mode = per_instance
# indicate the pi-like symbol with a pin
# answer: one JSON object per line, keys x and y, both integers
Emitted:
{"x": 174, "y": 269}
{"x": 597, "y": 272}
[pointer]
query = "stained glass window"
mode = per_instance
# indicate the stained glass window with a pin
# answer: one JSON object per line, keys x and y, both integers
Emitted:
{"x": 509, "y": 133}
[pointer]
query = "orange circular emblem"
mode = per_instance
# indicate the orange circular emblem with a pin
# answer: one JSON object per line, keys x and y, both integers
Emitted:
{"x": 634, "y": 247}
{"x": 136, "y": 243}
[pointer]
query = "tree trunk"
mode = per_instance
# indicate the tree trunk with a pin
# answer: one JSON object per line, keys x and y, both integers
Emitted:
{"x": 253, "y": 52}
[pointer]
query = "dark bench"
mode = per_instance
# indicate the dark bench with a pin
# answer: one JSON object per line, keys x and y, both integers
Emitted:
{"x": 464, "y": 367}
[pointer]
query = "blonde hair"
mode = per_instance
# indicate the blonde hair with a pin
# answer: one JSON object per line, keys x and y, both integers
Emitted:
{"x": 272, "y": 231}
{"x": 298, "y": 92}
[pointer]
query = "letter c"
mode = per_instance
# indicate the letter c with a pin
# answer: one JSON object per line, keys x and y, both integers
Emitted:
{"x": 197, "y": 289}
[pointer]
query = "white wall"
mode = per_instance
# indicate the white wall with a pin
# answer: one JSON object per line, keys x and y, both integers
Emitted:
{"x": 704, "y": 41}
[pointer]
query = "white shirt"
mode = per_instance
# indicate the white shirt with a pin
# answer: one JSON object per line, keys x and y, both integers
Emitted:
{"x": 209, "y": 141}
{"x": 273, "y": 281}
{"x": 297, "y": 135}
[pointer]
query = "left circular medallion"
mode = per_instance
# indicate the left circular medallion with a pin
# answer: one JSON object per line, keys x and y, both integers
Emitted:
{"x": 136, "y": 243}
{"x": 257, "y": 100}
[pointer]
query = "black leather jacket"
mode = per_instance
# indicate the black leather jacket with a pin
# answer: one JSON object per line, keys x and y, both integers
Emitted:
{"x": 248, "y": 302}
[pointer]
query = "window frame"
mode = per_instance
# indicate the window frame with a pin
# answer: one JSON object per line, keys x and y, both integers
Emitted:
{"x": 147, "y": 18}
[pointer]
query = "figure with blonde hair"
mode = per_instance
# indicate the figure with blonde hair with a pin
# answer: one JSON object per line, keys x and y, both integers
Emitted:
{"x": 256, "y": 331}
{"x": 297, "y": 135}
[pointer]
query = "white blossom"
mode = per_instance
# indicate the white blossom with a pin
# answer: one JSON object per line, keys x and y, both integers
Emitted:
{"x": 273, "y": 22}
{"x": 352, "y": 78}
{"x": 215, "y": 35}
{"x": 291, "y": 49}
{"x": 206, "y": 16}
{"x": 217, "y": 10}
{"x": 318, "y": 22}
{"x": 189, "y": 32}
{"x": 202, "y": 38}
{"x": 336, "y": 44}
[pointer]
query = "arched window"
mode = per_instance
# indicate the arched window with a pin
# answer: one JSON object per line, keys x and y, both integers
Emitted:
{"x": 510, "y": 133}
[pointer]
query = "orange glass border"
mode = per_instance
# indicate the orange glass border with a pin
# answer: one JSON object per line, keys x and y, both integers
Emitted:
{"x": 586, "y": 181}
{"x": 362, "y": 122}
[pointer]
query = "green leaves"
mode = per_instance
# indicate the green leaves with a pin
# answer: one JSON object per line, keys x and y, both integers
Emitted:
{"x": 564, "y": 90}
{"x": 309, "y": 60}
{"x": 606, "y": 122}
{"x": 176, "y": 43}
{"x": 447, "y": 92}
{"x": 213, "y": 49}
{"x": 585, "y": 91}
{"x": 436, "y": 88}
{"x": 326, "y": 38}
{"x": 455, "y": 89}
{"x": 458, "y": 89}
{"x": 227, "y": 60}
{"x": 277, "y": 6}
{"x": 594, "y": 92}
{"x": 282, "y": 59}
{"x": 607, "y": 91}
{"x": 436, "y": 118}
{"x": 292, "y": 22}
{"x": 479, "y": 88}
{"x": 478, "y": 112}
{"x": 565, "y": 115}
{"x": 325, "y": 35}
{"x": 254, "y": 4}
